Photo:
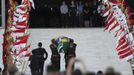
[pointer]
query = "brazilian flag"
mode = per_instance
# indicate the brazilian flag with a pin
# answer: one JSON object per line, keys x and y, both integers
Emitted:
{"x": 63, "y": 43}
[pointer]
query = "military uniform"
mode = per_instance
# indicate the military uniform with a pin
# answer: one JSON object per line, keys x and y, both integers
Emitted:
{"x": 70, "y": 52}
{"x": 55, "y": 57}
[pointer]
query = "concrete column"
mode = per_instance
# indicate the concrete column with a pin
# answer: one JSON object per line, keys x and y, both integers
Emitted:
{"x": 3, "y": 13}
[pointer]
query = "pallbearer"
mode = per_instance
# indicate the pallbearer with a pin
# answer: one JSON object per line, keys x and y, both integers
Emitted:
{"x": 55, "y": 57}
{"x": 70, "y": 52}
{"x": 64, "y": 45}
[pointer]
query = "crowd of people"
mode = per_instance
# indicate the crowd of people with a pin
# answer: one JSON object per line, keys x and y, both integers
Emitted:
{"x": 68, "y": 14}
{"x": 63, "y": 14}
{"x": 71, "y": 71}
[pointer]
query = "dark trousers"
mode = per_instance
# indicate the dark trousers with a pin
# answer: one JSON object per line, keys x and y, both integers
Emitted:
{"x": 64, "y": 20}
{"x": 80, "y": 20}
{"x": 73, "y": 21}
{"x": 41, "y": 68}
{"x": 34, "y": 72}
{"x": 55, "y": 60}
{"x": 38, "y": 70}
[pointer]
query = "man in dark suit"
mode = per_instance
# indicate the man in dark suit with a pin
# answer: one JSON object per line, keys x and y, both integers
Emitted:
{"x": 55, "y": 57}
{"x": 70, "y": 52}
{"x": 37, "y": 60}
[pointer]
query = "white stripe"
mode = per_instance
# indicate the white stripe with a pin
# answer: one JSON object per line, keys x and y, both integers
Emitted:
{"x": 113, "y": 24}
{"x": 106, "y": 13}
{"x": 125, "y": 53}
{"x": 32, "y": 3}
{"x": 121, "y": 35}
{"x": 116, "y": 28}
{"x": 109, "y": 20}
{"x": 130, "y": 37}
{"x": 120, "y": 32}
{"x": 124, "y": 48}
{"x": 122, "y": 45}
{"x": 19, "y": 10}
{"x": 111, "y": 13}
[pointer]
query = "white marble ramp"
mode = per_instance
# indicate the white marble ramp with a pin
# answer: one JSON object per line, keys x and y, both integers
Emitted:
{"x": 95, "y": 47}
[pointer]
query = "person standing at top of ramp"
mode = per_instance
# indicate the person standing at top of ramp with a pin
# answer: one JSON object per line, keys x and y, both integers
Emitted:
{"x": 64, "y": 14}
{"x": 37, "y": 60}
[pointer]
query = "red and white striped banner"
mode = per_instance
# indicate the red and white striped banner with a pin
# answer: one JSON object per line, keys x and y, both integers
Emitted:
{"x": 117, "y": 22}
{"x": 19, "y": 32}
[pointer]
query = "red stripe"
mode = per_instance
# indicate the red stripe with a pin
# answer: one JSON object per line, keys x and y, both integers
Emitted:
{"x": 119, "y": 32}
{"x": 23, "y": 37}
{"x": 23, "y": 49}
{"x": 104, "y": 13}
{"x": 6, "y": 41}
{"x": 23, "y": 23}
{"x": 123, "y": 37}
{"x": 106, "y": 22}
{"x": 109, "y": 17}
{"x": 109, "y": 23}
{"x": 126, "y": 55}
{"x": 115, "y": 1}
{"x": 128, "y": 10}
{"x": 27, "y": 54}
{"x": 20, "y": 41}
{"x": 120, "y": 43}
{"x": 129, "y": 16}
{"x": 122, "y": 47}
{"x": 131, "y": 21}
{"x": 23, "y": 8}
{"x": 124, "y": 51}
{"x": 114, "y": 26}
